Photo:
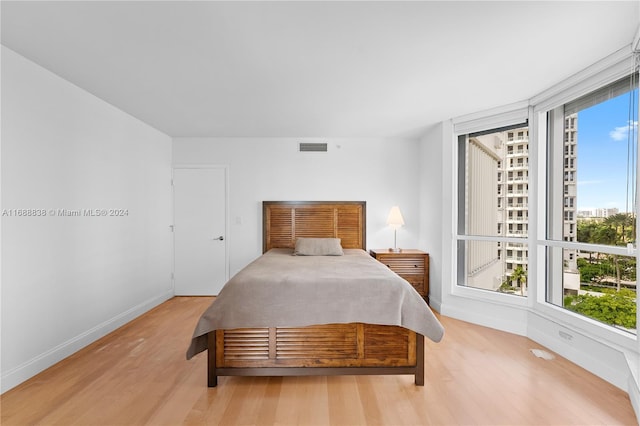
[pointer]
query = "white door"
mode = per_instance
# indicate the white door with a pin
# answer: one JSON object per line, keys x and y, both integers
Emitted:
{"x": 200, "y": 240}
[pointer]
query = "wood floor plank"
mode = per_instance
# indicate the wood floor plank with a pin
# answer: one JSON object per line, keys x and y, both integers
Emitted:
{"x": 287, "y": 410}
{"x": 138, "y": 375}
{"x": 303, "y": 401}
{"x": 266, "y": 414}
{"x": 211, "y": 406}
{"x": 344, "y": 404}
{"x": 243, "y": 405}
{"x": 369, "y": 401}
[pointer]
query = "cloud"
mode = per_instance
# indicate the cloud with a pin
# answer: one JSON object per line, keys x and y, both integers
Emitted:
{"x": 621, "y": 133}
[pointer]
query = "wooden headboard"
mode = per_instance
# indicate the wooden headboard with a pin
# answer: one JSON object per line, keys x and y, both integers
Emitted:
{"x": 284, "y": 221}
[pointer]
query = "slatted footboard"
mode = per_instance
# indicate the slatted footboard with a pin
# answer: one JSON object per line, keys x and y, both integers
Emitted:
{"x": 334, "y": 349}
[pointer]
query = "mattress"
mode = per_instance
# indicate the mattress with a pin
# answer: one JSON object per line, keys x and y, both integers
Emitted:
{"x": 279, "y": 289}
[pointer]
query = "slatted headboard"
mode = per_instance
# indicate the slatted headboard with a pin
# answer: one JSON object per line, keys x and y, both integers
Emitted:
{"x": 284, "y": 221}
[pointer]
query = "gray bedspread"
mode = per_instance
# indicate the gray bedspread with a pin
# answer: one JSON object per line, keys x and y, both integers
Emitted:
{"x": 282, "y": 290}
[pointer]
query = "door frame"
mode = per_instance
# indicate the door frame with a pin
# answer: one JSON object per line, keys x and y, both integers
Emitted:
{"x": 225, "y": 168}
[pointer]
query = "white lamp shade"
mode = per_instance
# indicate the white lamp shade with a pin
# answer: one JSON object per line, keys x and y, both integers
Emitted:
{"x": 395, "y": 217}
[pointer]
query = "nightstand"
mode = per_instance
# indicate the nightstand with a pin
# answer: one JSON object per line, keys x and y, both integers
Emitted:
{"x": 410, "y": 264}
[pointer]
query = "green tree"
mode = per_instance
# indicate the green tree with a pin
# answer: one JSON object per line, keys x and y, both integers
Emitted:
{"x": 586, "y": 231}
{"x": 590, "y": 272}
{"x": 519, "y": 275}
{"x": 613, "y": 307}
{"x": 616, "y": 230}
{"x": 628, "y": 268}
{"x": 624, "y": 226}
{"x": 506, "y": 286}
{"x": 619, "y": 232}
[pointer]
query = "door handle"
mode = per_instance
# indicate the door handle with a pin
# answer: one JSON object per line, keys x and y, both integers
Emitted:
{"x": 220, "y": 238}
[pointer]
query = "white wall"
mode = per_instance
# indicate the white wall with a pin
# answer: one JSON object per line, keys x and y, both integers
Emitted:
{"x": 382, "y": 172}
{"x": 67, "y": 281}
{"x": 431, "y": 198}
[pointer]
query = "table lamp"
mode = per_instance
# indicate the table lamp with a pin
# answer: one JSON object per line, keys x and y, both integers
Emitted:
{"x": 395, "y": 221}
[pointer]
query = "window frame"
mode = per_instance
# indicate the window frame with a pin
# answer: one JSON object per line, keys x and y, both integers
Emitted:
{"x": 510, "y": 115}
{"x": 595, "y": 78}
{"x": 599, "y": 75}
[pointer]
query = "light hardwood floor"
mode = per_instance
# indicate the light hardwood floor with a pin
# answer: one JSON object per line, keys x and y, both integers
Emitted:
{"x": 475, "y": 376}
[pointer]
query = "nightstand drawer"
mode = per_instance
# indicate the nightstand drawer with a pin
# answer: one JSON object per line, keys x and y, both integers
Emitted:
{"x": 410, "y": 264}
{"x": 404, "y": 265}
{"x": 417, "y": 281}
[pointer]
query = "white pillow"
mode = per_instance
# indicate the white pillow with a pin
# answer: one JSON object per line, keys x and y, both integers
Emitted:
{"x": 318, "y": 247}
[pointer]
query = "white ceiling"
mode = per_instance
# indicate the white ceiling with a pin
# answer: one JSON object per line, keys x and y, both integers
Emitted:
{"x": 314, "y": 69}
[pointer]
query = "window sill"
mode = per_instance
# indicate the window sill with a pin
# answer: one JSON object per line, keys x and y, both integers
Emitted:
{"x": 588, "y": 327}
{"x": 490, "y": 296}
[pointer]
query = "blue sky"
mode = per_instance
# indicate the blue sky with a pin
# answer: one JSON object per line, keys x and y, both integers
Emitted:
{"x": 602, "y": 154}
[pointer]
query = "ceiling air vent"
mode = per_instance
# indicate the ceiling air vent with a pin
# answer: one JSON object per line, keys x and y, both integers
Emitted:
{"x": 313, "y": 147}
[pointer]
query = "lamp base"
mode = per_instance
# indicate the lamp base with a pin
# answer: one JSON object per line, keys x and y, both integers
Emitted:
{"x": 395, "y": 250}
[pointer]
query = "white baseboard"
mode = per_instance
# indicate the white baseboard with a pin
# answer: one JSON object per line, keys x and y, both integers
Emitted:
{"x": 492, "y": 316}
{"x": 436, "y": 305}
{"x": 30, "y": 368}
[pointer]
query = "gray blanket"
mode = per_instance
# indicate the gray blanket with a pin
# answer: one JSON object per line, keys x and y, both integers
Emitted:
{"x": 282, "y": 290}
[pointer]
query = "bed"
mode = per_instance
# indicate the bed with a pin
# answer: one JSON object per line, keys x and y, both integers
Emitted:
{"x": 290, "y": 313}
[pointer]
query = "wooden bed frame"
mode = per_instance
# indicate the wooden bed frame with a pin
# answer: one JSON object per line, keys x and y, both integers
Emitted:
{"x": 319, "y": 350}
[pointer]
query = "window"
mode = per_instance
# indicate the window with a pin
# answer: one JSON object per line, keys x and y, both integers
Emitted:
{"x": 591, "y": 199}
{"x": 492, "y": 210}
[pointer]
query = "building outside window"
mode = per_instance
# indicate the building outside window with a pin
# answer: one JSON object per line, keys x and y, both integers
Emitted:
{"x": 493, "y": 210}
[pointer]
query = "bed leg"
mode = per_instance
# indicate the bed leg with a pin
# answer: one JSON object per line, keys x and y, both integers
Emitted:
{"x": 419, "y": 360}
{"x": 212, "y": 377}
